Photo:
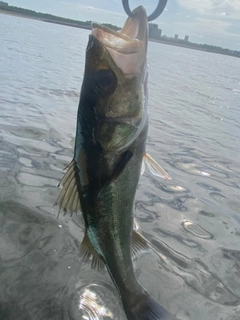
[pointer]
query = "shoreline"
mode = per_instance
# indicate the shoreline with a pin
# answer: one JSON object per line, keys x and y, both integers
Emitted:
{"x": 20, "y": 15}
{"x": 193, "y": 48}
{"x": 187, "y": 45}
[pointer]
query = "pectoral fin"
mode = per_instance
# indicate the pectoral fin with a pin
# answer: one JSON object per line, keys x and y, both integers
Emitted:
{"x": 68, "y": 199}
{"x": 87, "y": 251}
{"x": 154, "y": 167}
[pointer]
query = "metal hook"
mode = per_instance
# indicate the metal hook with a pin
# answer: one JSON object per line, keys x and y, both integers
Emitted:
{"x": 156, "y": 13}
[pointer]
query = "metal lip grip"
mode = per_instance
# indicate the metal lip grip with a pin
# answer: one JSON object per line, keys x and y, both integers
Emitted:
{"x": 156, "y": 13}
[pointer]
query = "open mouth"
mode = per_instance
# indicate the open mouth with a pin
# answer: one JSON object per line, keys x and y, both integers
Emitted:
{"x": 130, "y": 39}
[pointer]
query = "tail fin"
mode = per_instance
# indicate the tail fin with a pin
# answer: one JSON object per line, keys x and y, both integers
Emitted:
{"x": 147, "y": 309}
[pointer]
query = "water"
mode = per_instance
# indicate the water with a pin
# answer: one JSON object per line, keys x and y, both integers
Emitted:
{"x": 193, "y": 220}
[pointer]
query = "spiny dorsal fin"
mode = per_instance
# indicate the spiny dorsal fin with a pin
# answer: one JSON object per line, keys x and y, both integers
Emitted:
{"x": 87, "y": 251}
{"x": 68, "y": 199}
{"x": 154, "y": 167}
{"x": 139, "y": 243}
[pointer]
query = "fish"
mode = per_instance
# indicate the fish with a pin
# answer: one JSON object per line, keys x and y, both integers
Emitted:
{"x": 109, "y": 157}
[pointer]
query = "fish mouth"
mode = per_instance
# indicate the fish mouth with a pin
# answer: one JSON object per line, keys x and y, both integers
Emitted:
{"x": 130, "y": 40}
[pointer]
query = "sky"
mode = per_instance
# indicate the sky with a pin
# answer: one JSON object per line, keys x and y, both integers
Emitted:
{"x": 215, "y": 22}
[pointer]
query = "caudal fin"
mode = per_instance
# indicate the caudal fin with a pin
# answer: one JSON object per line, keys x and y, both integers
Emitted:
{"x": 147, "y": 309}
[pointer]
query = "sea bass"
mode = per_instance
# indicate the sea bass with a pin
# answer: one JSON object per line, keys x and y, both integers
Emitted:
{"x": 110, "y": 147}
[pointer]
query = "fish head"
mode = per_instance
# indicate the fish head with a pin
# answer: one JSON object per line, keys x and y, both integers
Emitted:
{"x": 115, "y": 81}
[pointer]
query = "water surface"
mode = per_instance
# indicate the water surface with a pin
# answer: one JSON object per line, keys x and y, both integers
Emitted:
{"x": 193, "y": 220}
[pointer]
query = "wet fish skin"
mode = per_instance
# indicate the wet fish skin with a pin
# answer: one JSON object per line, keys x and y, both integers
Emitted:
{"x": 112, "y": 127}
{"x": 112, "y": 170}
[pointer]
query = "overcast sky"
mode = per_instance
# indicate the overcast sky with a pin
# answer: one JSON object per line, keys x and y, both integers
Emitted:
{"x": 214, "y": 22}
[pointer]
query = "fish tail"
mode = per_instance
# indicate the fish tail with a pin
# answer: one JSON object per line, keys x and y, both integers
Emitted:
{"x": 147, "y": 309}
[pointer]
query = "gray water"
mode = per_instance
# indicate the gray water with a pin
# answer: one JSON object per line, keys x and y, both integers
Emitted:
{"x": 193, "y": 220}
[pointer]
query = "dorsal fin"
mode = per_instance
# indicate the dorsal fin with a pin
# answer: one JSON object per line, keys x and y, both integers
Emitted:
{"x": 68, "y": 199}
{"x": 87, "y": 251}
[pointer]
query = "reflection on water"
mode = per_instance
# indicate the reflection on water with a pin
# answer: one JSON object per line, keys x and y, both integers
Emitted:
{"x": 193, "y": 221}
{"x": 40, "y": 270}
{"x": 94, "y": 304}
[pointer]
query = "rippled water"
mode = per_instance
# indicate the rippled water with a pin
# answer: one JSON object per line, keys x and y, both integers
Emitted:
{"x": 193, "y": 220}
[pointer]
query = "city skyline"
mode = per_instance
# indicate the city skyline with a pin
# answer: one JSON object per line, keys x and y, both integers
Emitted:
{"x": 212, "y": 22}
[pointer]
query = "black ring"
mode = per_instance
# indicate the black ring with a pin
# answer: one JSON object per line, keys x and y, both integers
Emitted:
{"x": 156, "y": 13}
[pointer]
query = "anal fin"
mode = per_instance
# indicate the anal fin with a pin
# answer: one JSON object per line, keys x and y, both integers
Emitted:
{"x": 87, "y": 251}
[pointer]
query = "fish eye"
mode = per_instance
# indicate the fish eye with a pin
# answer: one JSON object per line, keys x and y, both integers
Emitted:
{"x": 105, "y": 81}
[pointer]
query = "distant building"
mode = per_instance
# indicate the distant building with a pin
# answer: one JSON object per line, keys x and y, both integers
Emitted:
{"x": 186, "y": 38}
{"x": 3, "y": 3}
{"x": 176, "y": 36}
{"x": 154, "y": 32}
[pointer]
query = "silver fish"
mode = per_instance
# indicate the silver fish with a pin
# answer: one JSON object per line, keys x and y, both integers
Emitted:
{"x": 110, "y": 147}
